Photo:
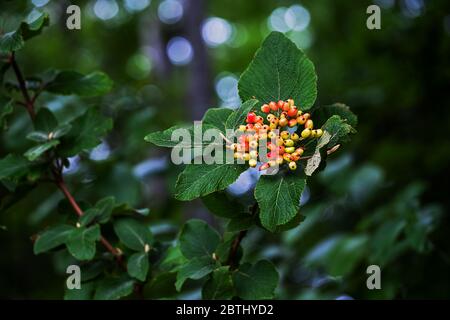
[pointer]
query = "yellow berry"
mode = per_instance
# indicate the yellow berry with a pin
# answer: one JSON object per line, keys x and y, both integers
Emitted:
{"x": 279, "y": 142}
{"x": 271, "y": 135}
{"x": 246, "y": 156}
{"x": 253, "y": 153}
{"x": 242, "y": 128}
{"x": 295, "y": 136}
{"x": 238, "y": 155}
{"x": 291, "y": 102}
{"x": 272, "y": 163}
{"x": 319, "y": 133}
{"x": 252, "y": 163}
{"x": 309, "y": 124}
{"x": 289, "y": 149}
{"x": 253, "y": 144}
{"x": 289, "y": 143}
{"x": 292, "y": 165}
{"x": 270, "y": 117}
{"x": 306, "y": 133}
{"x": 279, "y": 160}
{"x": 284, "y": 135}
{"x": 299, "y": 113}
{"x": 313, "y": 133}
{"x": 287, "y": 157}
{"x": 273, "y": 125}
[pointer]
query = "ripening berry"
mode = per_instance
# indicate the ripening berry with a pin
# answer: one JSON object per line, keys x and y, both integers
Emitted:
{"x": 249, "y": 127}
{"x": 306, "y": 133}
{"x": 246, "y": 156}
{"x": 279, "y": 141}
{"x": 319, "y": 133}
{"x": 259, "y": 119}
{"x": 238, "y": 155}
{"x": 291, "y": 102}
{"x": 301, "y": 119}
{"x": 270, "y": 117}
{"x": 286, "y": 106}
{"x": 252, "y": 163}
{"x": 271, "y": 146}
{"x": 299, "y": 113}
{"x": 233, "y": 146}
{"x": 288, "y": 143}
{"x": 257, "y": 126}
{"x": 253, "y": 144}
{"x": 287, "y": 157}
{"x": 251, "y": 117}
{"x": 284, "y": 135}
{"x": 272, "y": 163}
{"x": 292, "y": 165}
{"x": 271, "y": 135}
{"x": 273, "y": 106}
{"x": 280, "y": 104}
{"x": 295, "y": 156}
{"x": 292, "y": 112}
{"x": 279, "y": 160}
{"x": 253, "y": 154}
{"x": 273, "y": 125}
{"x": 307, "y": 116}
{"x": 289, "y": 149}
{"x": 299, "y": 151}
{"x": 265, "y": 127}
{"x": 309, "y": 124}
{"x": 313, "y": 133}
{"x": 280, "y": 149}
{"x": 295, "y": 136}
{"x": 292, "y": 123}
{"x": 283, "y": 122}
{"x": 265, "y": 108}
{"x": 264, "y": 166}
{"x": 242, "y": 128}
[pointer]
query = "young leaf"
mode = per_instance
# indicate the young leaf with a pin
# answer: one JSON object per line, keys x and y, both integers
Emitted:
{"x": 320, "y": 152}
{"x": 71, "y": 82}
{"x": 86, "y": 132}
{"x": 339, "y": 130}
{"x": 37, "y": 151}
{"x": 37, "y": 136}
{"x": 279, "y": 71}
{"x": 219, "y": 286}
{"x": 105, "y": 207}
{"x": 278, "y": 197}
{"x": 61, "y": 130}
{"x": 198, "y": 180}
{"x": 133, "y": 234}
{"x": 30, "y": 27}
{"x": 195, "y": 269}
{"x": 113, "y": 288}
{"x": 137, "y": 265}
{"x": 52, "y": 238}
{"x": 198, "y": 239}
{"x": 13, "y": 166}
{"x": 81, "y": 242}
{"x": 256, "y": 282}
{"x": 45, "y": 121}
{"x": 217, "y": 117}
{"x": 238, "y": 116}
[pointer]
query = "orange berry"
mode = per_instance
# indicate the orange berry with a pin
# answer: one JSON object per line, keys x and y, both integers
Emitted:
{"x": 286, "y": 106}
{"x": 292, "y": 112}
{"x": 273, "y": 106}
{"x": 265, "y": 108}
{"x": 309, "y": 124}
{"x": 280, "y": 104}
{"x": 292, "y": 123}
{"x": 283, "y": 122}
{"x": 301, "y": 119}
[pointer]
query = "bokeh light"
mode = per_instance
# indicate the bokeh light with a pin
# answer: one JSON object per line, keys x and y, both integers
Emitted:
{"x": 412, "y": 8}
{"x": 39, "y": 3}
{"x": 106, "y": 9}
{"x": 179, "y": 51}
{"x": 170, "y": 11}
{"x": 216, "y": 31}
{"x": 136, "y": 5}
{"x": 294, "y": 18}
{"x": 139, "y": 66}
{"x": 227, "y": 89}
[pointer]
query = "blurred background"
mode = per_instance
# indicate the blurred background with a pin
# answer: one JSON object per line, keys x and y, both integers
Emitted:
{"x": 383, "y": 199}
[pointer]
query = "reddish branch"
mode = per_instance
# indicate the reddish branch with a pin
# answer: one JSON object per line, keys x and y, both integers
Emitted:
{"x": 56, "y": 169}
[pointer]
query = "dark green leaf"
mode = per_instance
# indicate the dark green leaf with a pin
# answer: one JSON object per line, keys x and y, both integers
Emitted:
{"x": 81, "y": 242}
{"x": 198, "y": 239}
{"x": 113, "y": 288}
{"x": 217, "y": 117}
{"x": 219, "y": 286}
{"x": 339, "y": 130}
{"x": 279, "y": 71}
{"x": 71, "y": 82}
{"x": 161, "y": 286}
{"x": 173, "y": 259}
{"x": 278, "y": 197}
{"x": 239, "y": 115}
{"x": 241, "y": 223}
{"x": 89, "y": 216}
{"x": 195, "y": 269}
{"x": 37, "y": 151}
{"x": 223, "y": 206}
{"x": 137, "y": 265}
{"x": 61, "y": 130}
{"x": 52, "y": 238}
{"x": 133, "y": 234}
{"x": 86, "y": 132}
{"x": 84, "y": 293}
{"x": 6, "y": 108}
{"x": 45, "y": 121}
{"x": 256, "y": 282}
{"x": 105, "y": 207}
{"x": 198, "y": 180}
{"x": 13, "y": 166}
{"x": 323, "y": 113}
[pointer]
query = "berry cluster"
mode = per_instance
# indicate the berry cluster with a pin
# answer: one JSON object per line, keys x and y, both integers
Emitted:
{"x": 288, "y": 147}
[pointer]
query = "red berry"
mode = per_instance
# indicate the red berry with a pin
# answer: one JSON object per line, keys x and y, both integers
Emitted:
{"x": 292, "y": 123}
{"x": 286, "y": 106}
{"x": 280, "y": 149}
{"x": 280, "y": 104}
{"x": 251, "y": 117}
{"x": 264, "y": 166}
{"x": 292, "y": 112}
{"x": 273, "y": 106}
{"x": 265, "y": 108}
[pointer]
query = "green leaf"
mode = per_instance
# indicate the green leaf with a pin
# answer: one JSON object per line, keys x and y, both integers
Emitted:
{"x": 217, "y": 117}
{"x": 86, "y": 133}
{"x": 238, "y": 116}
{"x": 198, "y": 239}
{"x": 198, "y": 180}
{"x": 105, "y": 207}
{"x": 113, "y": 288}
{"x": 13, "y": 166}
{"x": 256, "y": 282}
{"x": 294, "y": 222}
{"x": 162, "y": 285}
{"x": 52, "y": 238}
{"x": 37, "y": 136}
{"x": 133, "y": 234}
{"x": 219, "y": 286}
{"x": 195, "y": 269}
{"x": 172, "y": 260}
{"x": 314, "y": 162}
{"x": 89, "y": 216}
{"x": 84, "y": 293}
{"x": 321, "y": 114}
{"x": 179, "y": 133}
{"x": 6, "y": 108}
{"x": 30, "y": 27}
{"x": 71, "y": 82}
{"x": 339, "y": 130}
{"x": 278, "y": 197}
{"x": 45, "y": 121}
{"x": 223, "y": 206}
{"x": 279, "y": 71}
{"x": 138, "y": 265}
{"x": 242, "y": 223}
{"x": 81, "y": 242}
{"x": 61, "y": 130}
{"x": 37, "y": 151}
